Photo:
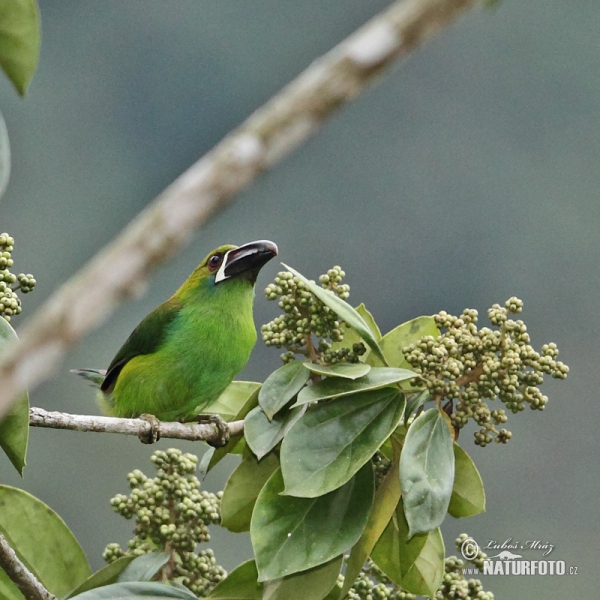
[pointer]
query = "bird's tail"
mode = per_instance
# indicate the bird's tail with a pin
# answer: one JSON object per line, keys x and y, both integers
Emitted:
{"x": 93, "y": 376}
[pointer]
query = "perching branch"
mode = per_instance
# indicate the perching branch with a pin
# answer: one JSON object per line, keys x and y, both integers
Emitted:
{"x": 121, "y": 269}
{"x": 193, "y": 432}
{"x": 20, "y": 575}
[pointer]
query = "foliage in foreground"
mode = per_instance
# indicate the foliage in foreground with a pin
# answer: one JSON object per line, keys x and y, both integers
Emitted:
{"x": 330, "y": 439}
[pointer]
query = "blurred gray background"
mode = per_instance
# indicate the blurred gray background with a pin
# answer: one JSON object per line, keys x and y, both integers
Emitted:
{"x": 468, "y": 175}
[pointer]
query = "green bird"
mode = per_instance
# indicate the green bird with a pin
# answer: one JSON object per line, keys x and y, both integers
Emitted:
{"x": 181, "y": 357}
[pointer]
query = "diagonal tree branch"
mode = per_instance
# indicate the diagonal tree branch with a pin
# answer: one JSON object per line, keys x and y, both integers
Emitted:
{"x": 294, "y": 114}
{"x": 140, "y": 427}
{"x": 20, "y": 575}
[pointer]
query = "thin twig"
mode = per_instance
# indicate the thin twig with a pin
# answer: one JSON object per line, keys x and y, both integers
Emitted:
{"x": 181, "y": 431}
{"x": 20, "y": 575}
{"x": 294, "y": 114}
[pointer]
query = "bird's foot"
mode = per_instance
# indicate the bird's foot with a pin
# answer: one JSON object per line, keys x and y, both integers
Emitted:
{"x": 153, "y": 434}
{"x": 221, "y": 426}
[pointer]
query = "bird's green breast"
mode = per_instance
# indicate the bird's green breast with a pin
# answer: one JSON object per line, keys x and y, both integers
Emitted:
{"x": 205, "y": 346}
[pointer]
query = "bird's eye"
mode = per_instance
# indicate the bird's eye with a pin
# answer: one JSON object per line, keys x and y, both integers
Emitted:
{"x": 214, "y": 262}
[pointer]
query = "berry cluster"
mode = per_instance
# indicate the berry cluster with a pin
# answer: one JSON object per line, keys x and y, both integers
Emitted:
{"x": 306, "y": 316}
{"x": 381, "y": 467}
{"x": 172, "y": 514}
{"x": 454, "y": 585}
{"x": 10, "y": 303}
{"x": 468, "y": 366}
{"x": 373, "y": 584}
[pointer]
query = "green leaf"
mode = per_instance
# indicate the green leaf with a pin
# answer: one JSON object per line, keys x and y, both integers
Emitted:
{"x": 215, "y": 455}
{"x": 232, "y": 399}
{"x": 351, "y": 337}
{"x": 416, "y": 564}
{"x": 241, "y": 584}
{"x": 42, "y": 541}
{"x": 343, "y": 370}
{"x": 104, "y": 576}
{"x": 343, "y": 310}
{"x": 402, "y": 336}
{"x": 468, "y": 495}
{"x": 144, "y": 567}
{"x": 335, "y": 387}
{"x": 263, "y": 435}
{"x": 362, "y": 310}
{"x": 134, "y": 590}
{"x": 4, "y": 156}
{"x": 295, "y": 534}
{"x": 8, "y": 590}
{"x": 385, "y": 502}
{"x": 242, "y": 489}
{"x": 331, "y": 442}
{"x": 14, "y": 427}
{"x": 414, "y": 402}
{"x": 313, "y": 584}
{"x": 427, "y": 471}
{"x": 19, "y": 41}
{"x": 281, "y": 386}
{"x": 14, "y": 432}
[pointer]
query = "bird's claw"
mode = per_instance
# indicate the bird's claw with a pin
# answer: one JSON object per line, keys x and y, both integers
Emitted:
{"x": 221, "y": 426}
{"x": 153, "y": 434}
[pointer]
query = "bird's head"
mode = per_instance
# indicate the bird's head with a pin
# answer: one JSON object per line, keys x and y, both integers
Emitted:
{"x": 228, "y": 263}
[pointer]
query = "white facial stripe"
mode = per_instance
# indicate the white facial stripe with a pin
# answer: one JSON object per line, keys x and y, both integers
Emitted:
{"x": 220, "y": 274}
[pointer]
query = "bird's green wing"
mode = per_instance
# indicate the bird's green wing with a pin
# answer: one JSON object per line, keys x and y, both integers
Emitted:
{"x": 146, "y": 338}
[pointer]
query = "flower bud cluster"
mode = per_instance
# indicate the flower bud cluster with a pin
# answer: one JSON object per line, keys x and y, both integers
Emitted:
{"x": 454, "y": 585}
{"x": 469, "y": 366}
{"x": 10, "y": 303}
{"x": 373, "y": 584}
{"x": 172, "y": 514}
{"x": 305, "y": 316}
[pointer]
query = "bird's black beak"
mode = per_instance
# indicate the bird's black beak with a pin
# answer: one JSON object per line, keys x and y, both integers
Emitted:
{"x": 246, "y": 260}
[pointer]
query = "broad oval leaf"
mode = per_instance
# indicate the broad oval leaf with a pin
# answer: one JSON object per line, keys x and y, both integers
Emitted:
{"x": 144, "y": 567}
{"x": 4, "y": 156}
{"x": 42, "y": 541}
{"x": 343, "y": 370}
{"x": 232, "y": 399}
{"x": 19, "y": 41}
{"x": 14, "y": 427}
{"x": 241, "y": 584}
{"x": 378, "y": 377}
{"x": 343, "y": 310}
{"x": 468, "y": 495}
{"x": 263, "y": 435}
{"x": 313, "y": 584}
{"x": 401, "y": 336}
{"x": 330, "y": 443}
{"x": 105, "y": 576}
{"x": 242, "y": 489}
{"x": 295, "y": 534}
{"x": 416, "y": 564}
{"x": 281, "y": 386}
{"x": 134, "y": 590}
{"x": 427, "y": 471}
